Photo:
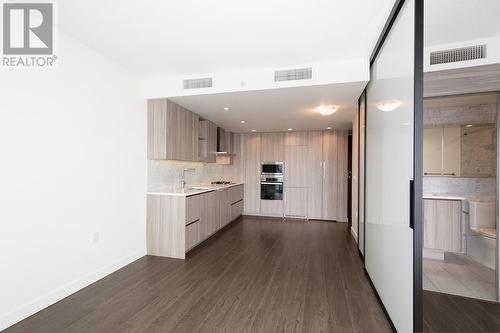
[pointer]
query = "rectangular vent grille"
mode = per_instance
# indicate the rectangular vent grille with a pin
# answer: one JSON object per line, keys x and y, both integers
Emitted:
{"x": 198, "y": 83}
{"x": 293, "y": 74}
{"x": 461, "y": 54}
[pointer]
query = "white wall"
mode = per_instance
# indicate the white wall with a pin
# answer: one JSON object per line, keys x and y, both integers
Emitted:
{"x": 73, "y": 163}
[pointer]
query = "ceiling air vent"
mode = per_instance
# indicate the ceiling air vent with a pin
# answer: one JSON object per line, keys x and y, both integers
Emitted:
{"x": 197, "y": 83}
{"x": 293, "y": 74}
{"x": 461, "y": 54}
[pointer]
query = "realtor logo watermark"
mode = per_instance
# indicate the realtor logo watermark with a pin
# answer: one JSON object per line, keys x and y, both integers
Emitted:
{"x": 28, "y": 35}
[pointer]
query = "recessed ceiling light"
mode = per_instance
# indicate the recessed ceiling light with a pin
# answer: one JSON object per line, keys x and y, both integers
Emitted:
{"x": 226, "y": 108}
{"x": 254, "y": 131}
{"x": 242, "y": 121}
{"x": 326, "y": 110}
{"x": 290, "y": 129}
{"x": 328, "y": 127}
{"x": 388, "y": 106}
{"x": 469, "y": 125}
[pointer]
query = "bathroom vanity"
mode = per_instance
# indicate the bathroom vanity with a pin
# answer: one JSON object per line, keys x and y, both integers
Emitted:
{"x": 444, "y": 224}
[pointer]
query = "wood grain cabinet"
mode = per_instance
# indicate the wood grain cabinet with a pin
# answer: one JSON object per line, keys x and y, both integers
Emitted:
{"x": 272, "y": 147}
{"x": 207, "y": 141}
{"x": 172, "y": 131}
{"x": 251, "y": 147}
{"x": 296, "y": 202}
{"x": 314, "y": 162}
{"x": 176, "y": 224}
{"x": 443, "y": 225}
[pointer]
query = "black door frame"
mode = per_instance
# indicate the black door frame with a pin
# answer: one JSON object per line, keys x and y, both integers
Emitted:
{"x": 416, "y": 190}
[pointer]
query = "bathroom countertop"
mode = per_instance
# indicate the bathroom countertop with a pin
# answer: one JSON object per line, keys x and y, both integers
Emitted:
{"x": 191, "y": 190}
{"x": 440, "y": 196}
{"x": 458, "y": 197}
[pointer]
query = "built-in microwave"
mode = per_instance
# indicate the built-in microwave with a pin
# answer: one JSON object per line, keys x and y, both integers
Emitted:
{"x": 272, "y": 168}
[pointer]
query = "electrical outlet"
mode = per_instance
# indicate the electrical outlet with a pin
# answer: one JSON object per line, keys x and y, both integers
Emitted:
{"x": 95, "y": 238}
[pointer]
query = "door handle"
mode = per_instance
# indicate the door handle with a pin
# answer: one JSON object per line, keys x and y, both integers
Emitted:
{"x": 412, "y": 204}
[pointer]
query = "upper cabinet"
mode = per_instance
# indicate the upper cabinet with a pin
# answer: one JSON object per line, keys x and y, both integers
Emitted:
{"x": 207, "y": 141}
{"x": 272, "y": 147}
{"x": 172, "y": 131}
{"x": 442, "y": 151}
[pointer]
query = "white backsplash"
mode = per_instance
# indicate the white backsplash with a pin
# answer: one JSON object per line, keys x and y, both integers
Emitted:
{"x": 481, "y": 189}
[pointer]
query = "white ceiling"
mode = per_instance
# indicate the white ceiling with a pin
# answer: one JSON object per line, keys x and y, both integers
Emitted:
{"x": 278, "y": 109}
{"x": 450, "y": 21}
{"x": 178, "y": 37}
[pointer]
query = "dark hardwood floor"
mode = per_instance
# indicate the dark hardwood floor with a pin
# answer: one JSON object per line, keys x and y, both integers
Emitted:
{"x": 449, "y": 313}
{"x": 257, "y": 275}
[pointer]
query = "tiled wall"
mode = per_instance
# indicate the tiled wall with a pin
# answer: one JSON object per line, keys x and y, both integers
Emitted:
{"x": 167, "y": 174}
{"x": 483, "y": 189}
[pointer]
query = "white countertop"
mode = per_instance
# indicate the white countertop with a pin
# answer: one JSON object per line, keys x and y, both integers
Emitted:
{"x": 191, "y": 190}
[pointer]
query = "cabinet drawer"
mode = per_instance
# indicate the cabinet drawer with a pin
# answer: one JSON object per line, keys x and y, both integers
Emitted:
{"x": 192, "y": 208}
{"x": 236, "y": 209}
{"x": 235, "y": 193}
{"x": 192, "y": 234}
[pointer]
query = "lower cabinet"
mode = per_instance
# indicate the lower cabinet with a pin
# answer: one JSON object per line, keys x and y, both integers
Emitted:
{"x": 296, "y": 201}
{"x": 176, "y": 224}
{"x": 192, "y": 234}
{"x": 443, "y": 225}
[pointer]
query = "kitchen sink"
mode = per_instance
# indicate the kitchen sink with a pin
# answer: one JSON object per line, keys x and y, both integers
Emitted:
{"x": 200, "y": 188}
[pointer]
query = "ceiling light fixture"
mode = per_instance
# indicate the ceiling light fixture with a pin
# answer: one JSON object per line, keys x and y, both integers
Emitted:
{"x": 254, "y": 131}
{"x": 326, "y": 110}
{"x": 388, "y": 106}
{"x": 469, "y": 125}
{"x": 290, "y": 129}
{"x": 226, "y": 109}
{"x": 328, "y": 127}
{"x": 242, "y": 121}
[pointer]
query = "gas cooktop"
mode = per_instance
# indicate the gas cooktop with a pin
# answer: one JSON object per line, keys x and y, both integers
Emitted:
{"x": 222, "y": 182}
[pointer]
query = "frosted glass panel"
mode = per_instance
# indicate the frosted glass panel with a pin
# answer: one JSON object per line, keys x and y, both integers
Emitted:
{"x": 361, "y": 204}
{"x": 389, "y": 169}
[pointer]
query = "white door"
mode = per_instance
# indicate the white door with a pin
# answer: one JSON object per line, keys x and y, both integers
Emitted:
{"x": 390, "y": 169}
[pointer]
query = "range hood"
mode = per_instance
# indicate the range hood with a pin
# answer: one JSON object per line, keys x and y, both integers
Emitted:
{"x": 222, "y": 141}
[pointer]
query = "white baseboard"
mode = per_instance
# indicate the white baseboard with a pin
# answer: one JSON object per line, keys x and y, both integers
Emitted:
{"x": 354, "y": 234}
{"x": 40, "y": 303}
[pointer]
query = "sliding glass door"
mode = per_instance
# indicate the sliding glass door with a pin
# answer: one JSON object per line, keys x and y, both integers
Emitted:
{"x": 390, "y": 166}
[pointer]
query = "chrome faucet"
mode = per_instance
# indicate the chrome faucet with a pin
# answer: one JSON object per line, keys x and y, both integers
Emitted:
{"x": 183, "y": 180}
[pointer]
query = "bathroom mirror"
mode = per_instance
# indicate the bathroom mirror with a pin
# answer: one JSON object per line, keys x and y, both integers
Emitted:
{"x": 460, "y": 136}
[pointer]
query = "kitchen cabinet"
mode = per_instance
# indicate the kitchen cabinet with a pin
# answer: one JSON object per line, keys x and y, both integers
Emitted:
{"x": 296, "y": 202}
{"x": 207, "y": 141}
{"x": 172, "y": 131}
{"x": 296, "y": 166}
{"x": 443, "y": 225}
{"x": 296, "y": 138}
{"x": 251, "y": 148}
{"x": 176, "y": 224}
{"x": 314, "y": 161}
{"x": 335, "y": 175}
{"x": 272, "y": 147}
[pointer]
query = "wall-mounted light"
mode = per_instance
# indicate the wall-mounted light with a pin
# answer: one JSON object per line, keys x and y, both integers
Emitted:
{"x": 326, "y": 110}
{"x": 388, "y": 106}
